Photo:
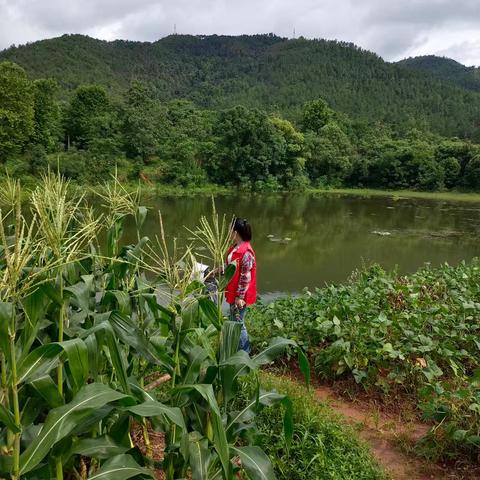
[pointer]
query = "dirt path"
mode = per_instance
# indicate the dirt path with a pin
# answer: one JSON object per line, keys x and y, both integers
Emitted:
{"x": 385, "y": 434}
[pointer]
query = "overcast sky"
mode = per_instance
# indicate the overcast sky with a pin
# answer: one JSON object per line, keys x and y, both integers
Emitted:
{"x": 394, "y": 29}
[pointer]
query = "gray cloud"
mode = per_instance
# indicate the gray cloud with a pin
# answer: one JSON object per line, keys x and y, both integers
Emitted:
{"x": 392, "y": 29}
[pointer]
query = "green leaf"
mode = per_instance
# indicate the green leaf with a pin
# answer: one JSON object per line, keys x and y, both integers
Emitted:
{"x": 229, "y": 339}
{"x": 255, "y": 462}
{"x": 134, "y": 337}
{"x": 157, "y": 409}
{"x": 276, "y": 348}
{"x": 210, "y": 311}
{"x": 264, "y": 398}
{"x": 121, "y": 467}
{"x": 77, "y": 355}
{"x": 140, "y": 216}
{"x": 304, "y": 366}
{"x": 48, "y": 389}
{"x": 103, "y": 447}
{"x": 121, "y": 299}
{"x": 227, "y": 276}
{"x": 7, "y": 418}
{"x": 199, "y": 458}
{"x": 62, "y": 420}
{"x": 220, "y": 436}
{"x": 195, "y": 359}
{"x": 38, "y": 362}
{"x": 6, "y": 313}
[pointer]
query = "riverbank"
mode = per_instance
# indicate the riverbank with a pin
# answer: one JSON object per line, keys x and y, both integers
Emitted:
{"x": 450, "y": 196}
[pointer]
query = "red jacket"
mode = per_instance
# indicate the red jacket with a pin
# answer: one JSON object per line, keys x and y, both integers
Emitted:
{"x": 231, "y": 291}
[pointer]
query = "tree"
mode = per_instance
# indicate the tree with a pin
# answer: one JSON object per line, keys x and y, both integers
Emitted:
{"x": 89, "y": 117}
{"x": 143, "y": 122}
{"x": 249, "y": 148}
{"x": 316, "y": 115}
{"x": 292, "y": 168}
{"x": 472, "y": 173}
{"x": 46, "y": 131}
{"x": 16, "y": 109}
{"x": 330, "y": 155}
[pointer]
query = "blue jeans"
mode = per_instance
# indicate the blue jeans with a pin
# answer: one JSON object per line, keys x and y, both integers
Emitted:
{"x": 238, "y": 315}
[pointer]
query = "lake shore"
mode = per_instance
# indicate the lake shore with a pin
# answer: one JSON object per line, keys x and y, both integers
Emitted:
{"x": 451, "y": 196}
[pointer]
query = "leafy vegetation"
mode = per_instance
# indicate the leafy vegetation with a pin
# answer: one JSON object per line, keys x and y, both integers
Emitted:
{"x": 321, "y": 447}
{"x": 176, "y": 143}
{"x": 415, "y": 336}
{"x": 84, "y": 317}
{"x": 258, "y": 71}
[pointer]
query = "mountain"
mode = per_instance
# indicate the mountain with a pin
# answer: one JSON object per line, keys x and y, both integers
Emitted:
{"x": 446, "y": 69}
{"x": 264, "y": 71}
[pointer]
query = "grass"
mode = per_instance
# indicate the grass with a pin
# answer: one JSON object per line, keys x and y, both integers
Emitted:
{"x": 397, "y": 194}
{"x": 323, "y": 447}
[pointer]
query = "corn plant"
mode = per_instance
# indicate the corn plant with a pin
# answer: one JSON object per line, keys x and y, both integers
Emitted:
{"x": 78, "y": 327}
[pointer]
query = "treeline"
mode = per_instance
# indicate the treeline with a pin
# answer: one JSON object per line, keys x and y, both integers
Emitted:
{"x": 259, "y": 71}
{"x": 175, "y": 142}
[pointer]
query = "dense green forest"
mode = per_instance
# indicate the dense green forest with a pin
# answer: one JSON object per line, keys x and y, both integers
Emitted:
{"x": 256, "y": 111}
{"x": 446, "y": 69}
{"x": 260, "y": 71}
{"x": 176, "y": 142}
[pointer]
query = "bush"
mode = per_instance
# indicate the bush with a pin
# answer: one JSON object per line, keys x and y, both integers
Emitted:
{"x": 416, "y": 335}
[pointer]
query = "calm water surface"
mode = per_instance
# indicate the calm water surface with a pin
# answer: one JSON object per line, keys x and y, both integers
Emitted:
{"x": 309, "y": 240}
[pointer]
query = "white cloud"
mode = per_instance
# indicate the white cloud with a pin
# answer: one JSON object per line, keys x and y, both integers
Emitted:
{"x": 393, "y": 29}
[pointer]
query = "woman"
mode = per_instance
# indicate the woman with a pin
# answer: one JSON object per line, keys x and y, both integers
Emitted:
{"x": 242, "y": 289}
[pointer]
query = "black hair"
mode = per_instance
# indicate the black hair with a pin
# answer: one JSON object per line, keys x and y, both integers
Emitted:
{"x": 243, "y": 228}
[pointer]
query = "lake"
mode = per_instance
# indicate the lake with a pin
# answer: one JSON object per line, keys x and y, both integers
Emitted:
{"x": 307, "y": 240}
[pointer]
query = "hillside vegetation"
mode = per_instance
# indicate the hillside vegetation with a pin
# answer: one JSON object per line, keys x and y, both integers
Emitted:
{"x": 261, "y": 71}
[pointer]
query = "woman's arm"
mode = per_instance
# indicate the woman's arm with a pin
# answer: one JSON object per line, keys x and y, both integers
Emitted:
{"x": 246, "y": 266}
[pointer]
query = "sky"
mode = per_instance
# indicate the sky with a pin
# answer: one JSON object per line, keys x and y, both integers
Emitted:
{"x": 394, "y": 29}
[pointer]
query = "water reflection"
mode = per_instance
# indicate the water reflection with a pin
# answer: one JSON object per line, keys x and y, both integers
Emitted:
{"x": 331, "y": 235}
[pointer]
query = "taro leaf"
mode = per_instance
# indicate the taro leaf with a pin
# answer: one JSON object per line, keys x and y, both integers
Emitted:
{"x": 255, "y": 462}
{"x": 199, "y": 458}
{"x": 133, "y": 336}
{"x": 121, "y": 467}
{"x": 48, "y": 389}
{"x": 6, "y": 313}
{"x": 103, "y": 447}
{"x": 61, "y": 421}
{"x": 157, "y": 409}
{"x": 7, "y": 418}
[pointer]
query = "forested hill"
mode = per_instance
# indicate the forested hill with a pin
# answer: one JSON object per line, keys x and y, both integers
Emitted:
{"x": 261, "y": 71}
{"x": 446, "y": 69}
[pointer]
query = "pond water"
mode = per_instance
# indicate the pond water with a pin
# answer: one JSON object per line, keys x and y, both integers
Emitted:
{"x": 307, "y": 240}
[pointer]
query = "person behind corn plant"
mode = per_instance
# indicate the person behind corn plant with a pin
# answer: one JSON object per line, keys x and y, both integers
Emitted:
{"x": 242, "y": 288}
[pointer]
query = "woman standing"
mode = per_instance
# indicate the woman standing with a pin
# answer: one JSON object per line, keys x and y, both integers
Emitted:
{"x": 242, "y": 289}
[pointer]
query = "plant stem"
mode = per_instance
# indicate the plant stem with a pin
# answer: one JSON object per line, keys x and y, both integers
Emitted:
{"x": 16, "y": 407}
{"x": 61, "y": 319}
{"x": 60, "y": 339}
{"x": 59, "y": 468}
